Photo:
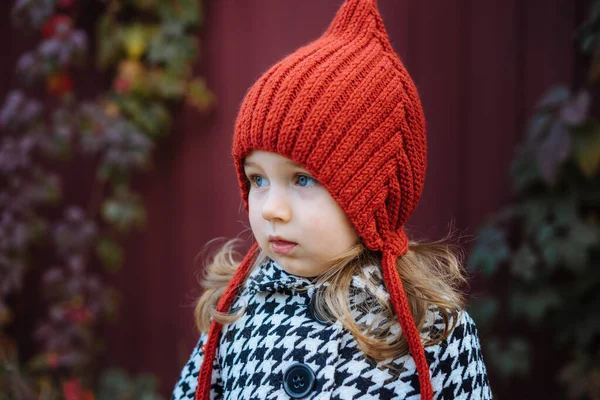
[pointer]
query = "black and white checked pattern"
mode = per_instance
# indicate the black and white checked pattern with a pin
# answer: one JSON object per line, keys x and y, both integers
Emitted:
{"x": 277, "y": 330}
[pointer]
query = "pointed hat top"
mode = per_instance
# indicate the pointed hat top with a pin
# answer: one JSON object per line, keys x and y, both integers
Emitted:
{"x": 352, "y": 16}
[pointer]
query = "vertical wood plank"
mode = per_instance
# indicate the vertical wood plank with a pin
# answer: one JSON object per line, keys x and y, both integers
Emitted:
{"x": 490, "y": 97}
{"x": 433, "y": 48}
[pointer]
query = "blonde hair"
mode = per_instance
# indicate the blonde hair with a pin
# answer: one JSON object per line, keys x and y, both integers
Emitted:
{"x": 431, "y": 274}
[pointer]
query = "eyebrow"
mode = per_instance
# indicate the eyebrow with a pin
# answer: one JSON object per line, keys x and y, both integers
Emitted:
{"x": 290, "y": 162}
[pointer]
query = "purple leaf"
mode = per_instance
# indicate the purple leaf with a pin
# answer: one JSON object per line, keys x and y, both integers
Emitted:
{"x": 75, "y": 286}
{"x": 57, "y": 313}
{"x": 9, "y": 111}
{"x": 74, "y": 214}
{"x": 49, "y": 48}
{"x": 555, "y": 97}
{"x": 575, "y": 110}
{"x": 26, "y": 63}
{"x": 538, "y": 125}
{"x": 553, "y": 151}
{"x": 76, "y": 264}
{"x": 79, "y": 41}
{"x": 20, "y": 236}
{"x": 43, "y": 332}
{"x": 53, "y": 275}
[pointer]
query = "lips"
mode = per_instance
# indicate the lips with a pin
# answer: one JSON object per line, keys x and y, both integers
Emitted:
{"x": 281, "y": 246}
{"x": 279, "y": 239}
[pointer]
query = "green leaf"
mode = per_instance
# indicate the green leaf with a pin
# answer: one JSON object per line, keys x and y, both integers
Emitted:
{"x": 575, "y": 250}
{"x": 534, "y": 212}
{"x": 524, "y": 170}
{"x": 568, "y": 240}
{"x": 509, "y": 359}
{"x": 524, "y": 263}
{"x": 171, "y": 49}
{"x": 157, "y": 120}
{"x": 490, "y": 250}
{"x": 538, "y": 126}
{"x": 145, "y": 385}
{"x": 187, "y": 12}
{"x": 582, "y": 288}
{"x": 587, "y": 235}
{"x": 153, "y": 118}
{"x": 130, "y": 106}
{"x": 586, "y": 151}
{"x": 124, "y": 212}
{"x": 114, "y": 383}
{"x": 533, "y": 304}
{"x": 110, "y": 253}
{"x": 108, "y": 34}
{"x": 199, "y": 95}
{"x": 588, "y": 42}
{"x": 484, "y": 310}
{"x": 167, "y": 85}
{"x": 587, "y": 32}
{"x": 146, "y": 5}
{"x": 547, "y": 241}
{"x": 134, "y": 39}
{"x": 547, "y": 234}
{"x": 588, "y": 330}
{"x": 565, "y": 211}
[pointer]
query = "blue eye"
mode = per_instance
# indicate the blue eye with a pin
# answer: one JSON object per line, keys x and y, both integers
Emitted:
{"x": 256, "y": 180}
{"x": 304, "y": 179}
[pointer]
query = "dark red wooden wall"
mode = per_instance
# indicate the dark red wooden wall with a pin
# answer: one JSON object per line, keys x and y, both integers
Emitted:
{"x": 479, "y": 65}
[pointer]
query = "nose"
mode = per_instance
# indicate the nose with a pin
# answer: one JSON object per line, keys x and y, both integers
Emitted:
{"x": 276, "y": 205}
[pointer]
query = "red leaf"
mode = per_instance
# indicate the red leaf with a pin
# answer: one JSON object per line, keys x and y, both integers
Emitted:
{"x": 59, "y": 83}
{"x": 59, "y": 25}
{"x": 72, "y": 389}
{"x": 122, "y": 85}
{"x": 52, "y": 360}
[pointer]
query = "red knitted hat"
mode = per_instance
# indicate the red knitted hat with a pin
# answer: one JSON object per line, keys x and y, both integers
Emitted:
{"x": 345, "y": 108}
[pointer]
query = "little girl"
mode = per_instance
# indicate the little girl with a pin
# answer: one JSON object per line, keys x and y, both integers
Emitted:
{"x": 332, "y": 301}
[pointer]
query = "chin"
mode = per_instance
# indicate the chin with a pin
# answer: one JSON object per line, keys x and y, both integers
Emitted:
{"x": 300, "y": 273}
{"x": 290, "y": 268}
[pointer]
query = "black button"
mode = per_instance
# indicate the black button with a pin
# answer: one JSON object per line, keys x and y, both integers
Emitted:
{"x": 298, "y": 380}
{"x": 322, "y": 319}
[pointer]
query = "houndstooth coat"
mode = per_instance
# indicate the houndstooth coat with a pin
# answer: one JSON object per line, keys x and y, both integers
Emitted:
{"x": 280, "y": 349}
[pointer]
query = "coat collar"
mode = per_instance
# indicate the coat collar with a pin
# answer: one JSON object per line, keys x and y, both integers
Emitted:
{"x": 270, "y": 277}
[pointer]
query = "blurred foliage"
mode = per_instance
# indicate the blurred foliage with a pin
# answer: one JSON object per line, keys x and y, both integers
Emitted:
{"x": 149, "y": 47}
{"x": 547, "y": 242}
{"x": 116, "y": 384}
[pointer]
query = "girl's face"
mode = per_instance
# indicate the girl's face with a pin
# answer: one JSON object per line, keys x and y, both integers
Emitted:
{"x": 286, "y": 202}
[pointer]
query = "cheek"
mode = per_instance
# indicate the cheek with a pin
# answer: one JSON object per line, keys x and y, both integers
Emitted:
{"x": 252, "y": 217}
{"x": 254, "y": 214}
{"x": 316, "y": 215}
{"x": 331, "y": 225}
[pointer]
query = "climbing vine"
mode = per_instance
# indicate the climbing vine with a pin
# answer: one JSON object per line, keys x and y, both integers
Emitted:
{"x": 546, "y": 243}
{"x": 148, "y": 47}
